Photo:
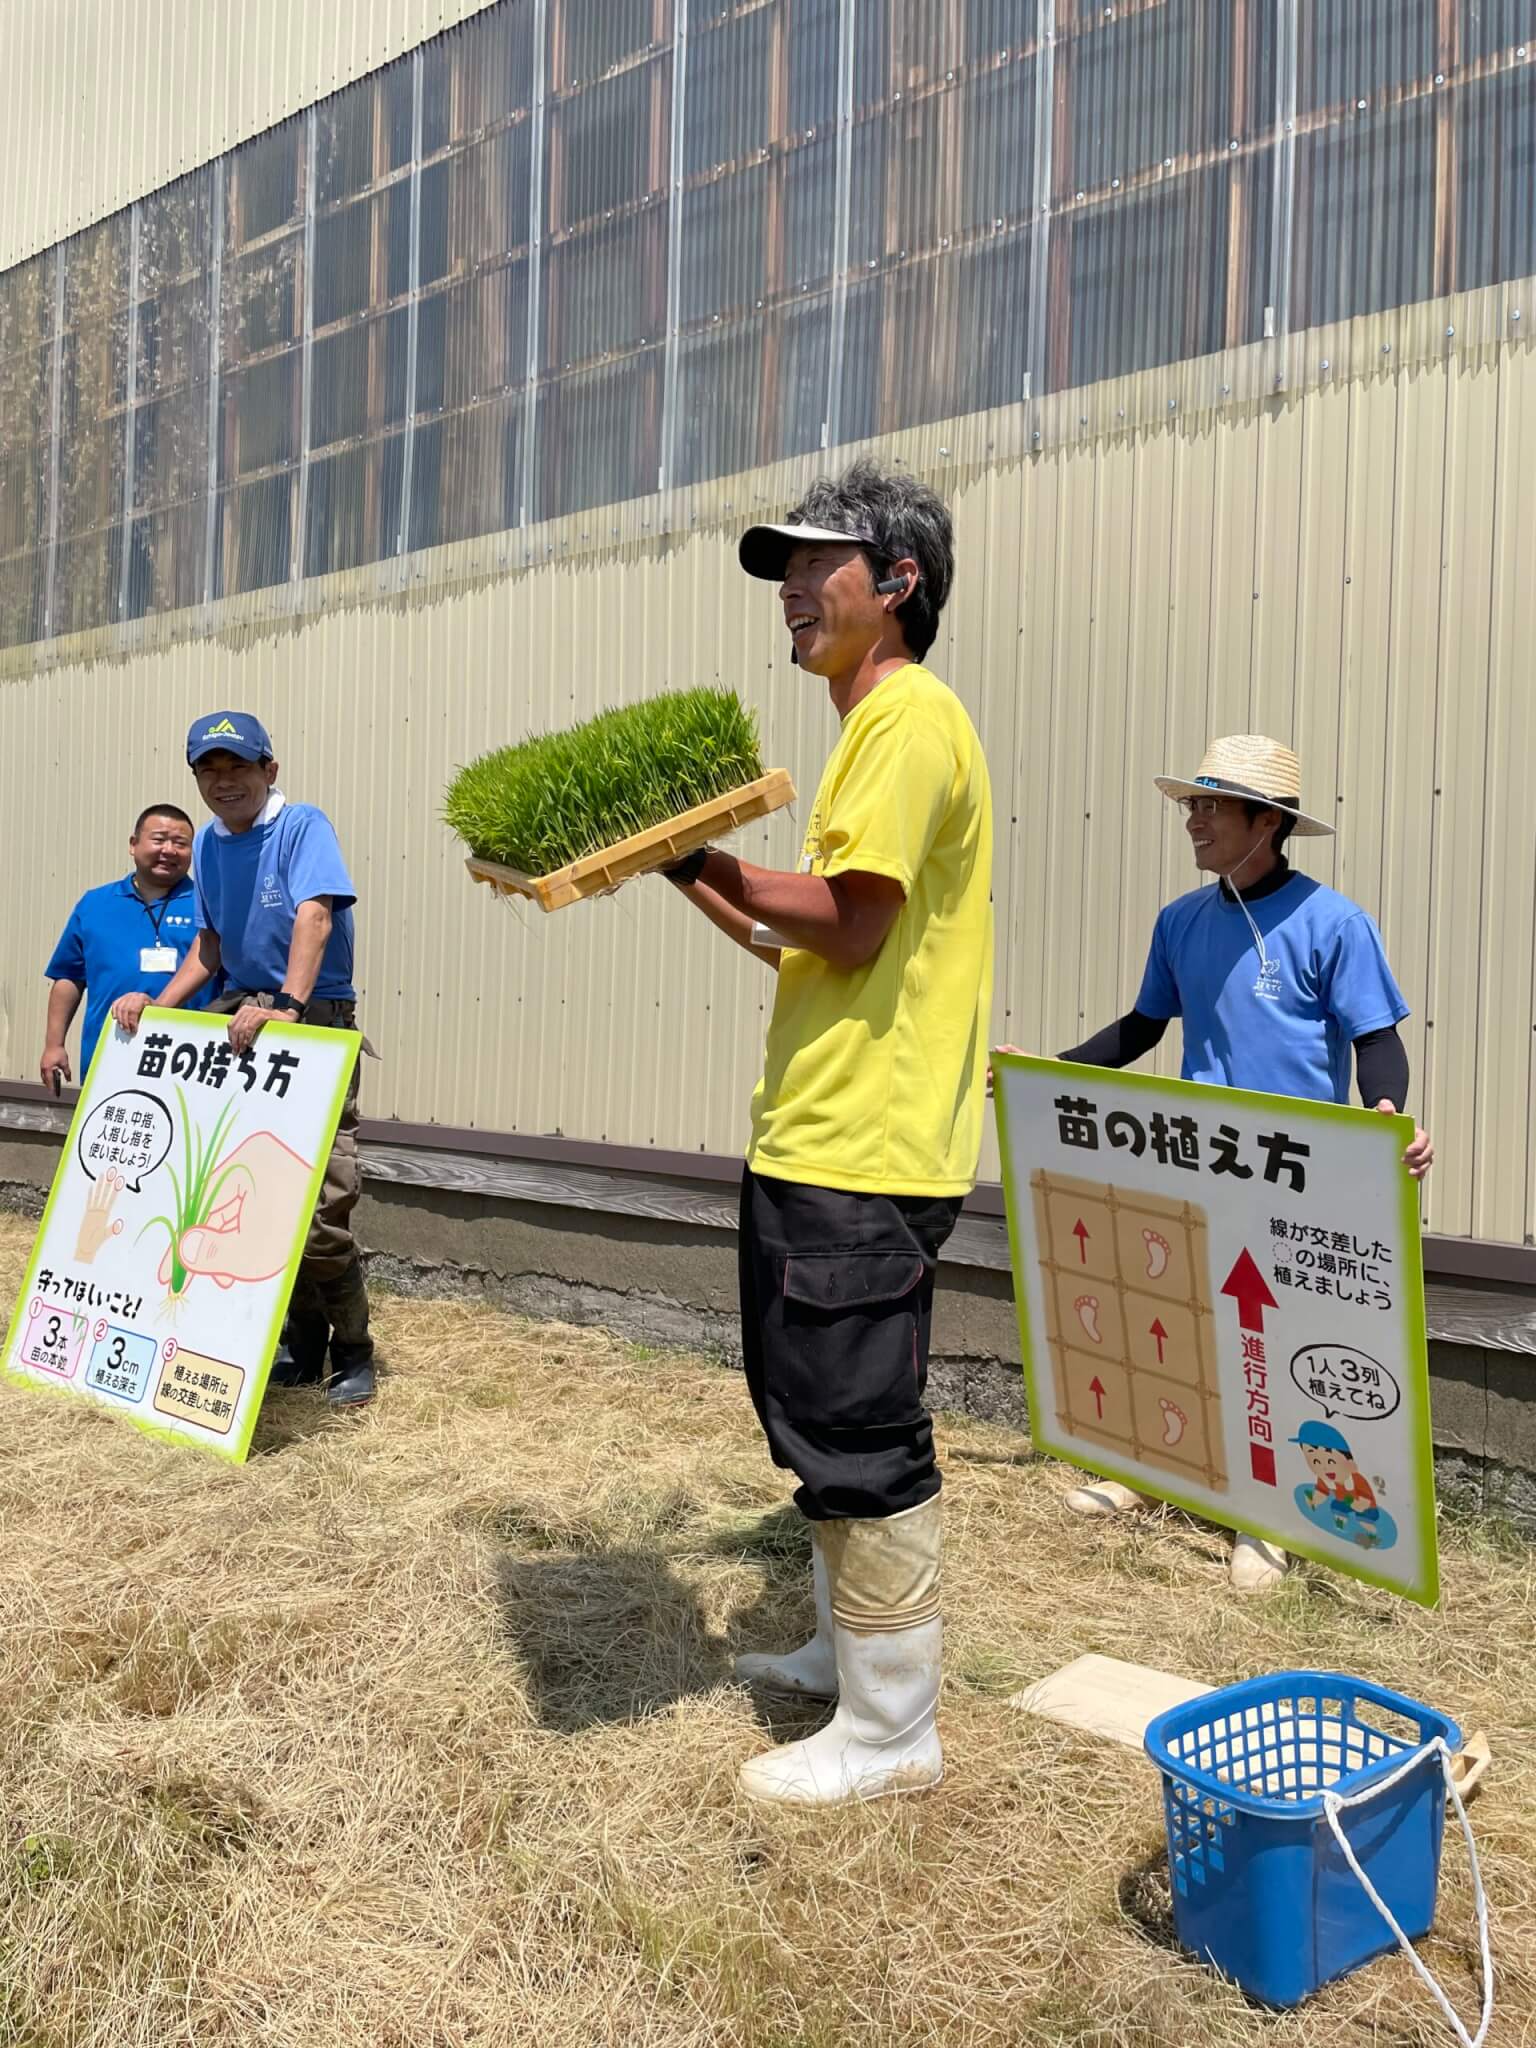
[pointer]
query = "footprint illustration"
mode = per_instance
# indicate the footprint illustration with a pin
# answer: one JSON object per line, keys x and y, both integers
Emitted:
{"x": 1087, "y": 1306}
{"x": 1175, "y": 1421}
{"x": 1158, "y": 1252}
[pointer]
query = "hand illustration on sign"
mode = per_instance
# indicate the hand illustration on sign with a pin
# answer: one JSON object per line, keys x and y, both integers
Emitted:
{"x": 247, "y": 1234}
{"x": 129, "y": 1133}
{"x": 96, "y": 1223}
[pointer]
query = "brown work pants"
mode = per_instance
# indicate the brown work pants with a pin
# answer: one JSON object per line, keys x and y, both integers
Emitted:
{"x": 329, "y": 1287}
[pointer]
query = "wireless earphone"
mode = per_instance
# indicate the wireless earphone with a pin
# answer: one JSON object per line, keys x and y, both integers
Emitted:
{"x": 891, "y": 583}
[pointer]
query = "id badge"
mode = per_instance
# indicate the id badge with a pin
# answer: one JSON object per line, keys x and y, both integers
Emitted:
{"x": 157, "y": 960}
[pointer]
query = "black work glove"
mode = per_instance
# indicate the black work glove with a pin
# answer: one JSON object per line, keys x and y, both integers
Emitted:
{"x": 687, "y": 871}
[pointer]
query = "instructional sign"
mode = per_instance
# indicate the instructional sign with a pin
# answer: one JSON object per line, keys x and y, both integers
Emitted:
{"x": 178, "y": 1214}
{"x": 1221, "y": 1301}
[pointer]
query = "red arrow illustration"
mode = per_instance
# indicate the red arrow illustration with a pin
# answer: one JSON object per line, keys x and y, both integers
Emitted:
{"x": 1096, "y": 1388}
{"x": 1245, "y": 1284}
{"x": 1081, "y": 1232}
{"x": 1161, "y": 1335}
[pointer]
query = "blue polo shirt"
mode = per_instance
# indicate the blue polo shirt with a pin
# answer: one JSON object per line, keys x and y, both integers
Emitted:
{"x": 100, "y": 947}
{"x": 1284, "y": 1025}
{"x": 250, "y": 886}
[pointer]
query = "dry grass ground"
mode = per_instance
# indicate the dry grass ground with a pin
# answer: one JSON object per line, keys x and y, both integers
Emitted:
{"x": 417, "y": 1730}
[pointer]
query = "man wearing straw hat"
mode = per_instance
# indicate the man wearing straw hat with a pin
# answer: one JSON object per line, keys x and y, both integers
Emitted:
{"x": 867, "y": 1122}
{"x": 1279, "y": 981}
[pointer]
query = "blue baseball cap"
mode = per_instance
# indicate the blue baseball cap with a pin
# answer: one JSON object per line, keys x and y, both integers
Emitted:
{"x": 229, "y": 732}
{"x": 1321, "y": 1436}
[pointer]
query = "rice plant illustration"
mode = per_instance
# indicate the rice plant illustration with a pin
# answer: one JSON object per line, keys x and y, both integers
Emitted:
{"x": 196, "y": 1189}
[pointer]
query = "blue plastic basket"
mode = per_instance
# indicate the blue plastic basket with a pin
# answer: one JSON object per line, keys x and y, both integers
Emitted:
{"x": 1260, "y": 1886}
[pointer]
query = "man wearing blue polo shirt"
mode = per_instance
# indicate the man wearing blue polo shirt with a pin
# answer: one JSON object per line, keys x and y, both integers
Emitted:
{"x": 126, "y": 935}
{"x": 274, "y": 905}
{"x": 1282, "y": 985}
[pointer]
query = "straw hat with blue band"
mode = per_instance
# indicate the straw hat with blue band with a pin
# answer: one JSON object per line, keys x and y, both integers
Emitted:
{"x": 1254, "y": 769}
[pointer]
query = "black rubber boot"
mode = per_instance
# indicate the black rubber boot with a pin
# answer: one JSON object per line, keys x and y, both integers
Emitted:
{"x": 300, "y": 1357}
{"x": 346, "y": 1306}
{"x": 352, "y": 1383}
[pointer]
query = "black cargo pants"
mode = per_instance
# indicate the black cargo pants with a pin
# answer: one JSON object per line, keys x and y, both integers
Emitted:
{"x": 836, "y": 1318}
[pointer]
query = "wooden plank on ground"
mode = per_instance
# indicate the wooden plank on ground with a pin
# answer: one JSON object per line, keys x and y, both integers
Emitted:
{"x": 1105, "y": 1696}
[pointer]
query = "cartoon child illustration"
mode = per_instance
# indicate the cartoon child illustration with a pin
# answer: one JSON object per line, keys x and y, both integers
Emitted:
{"x": 1340, "y": 1490}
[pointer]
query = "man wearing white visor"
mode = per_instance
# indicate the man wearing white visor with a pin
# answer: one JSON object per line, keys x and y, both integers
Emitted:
{"x": 867, "y": 1122}
{"x": 1280, "y": 982}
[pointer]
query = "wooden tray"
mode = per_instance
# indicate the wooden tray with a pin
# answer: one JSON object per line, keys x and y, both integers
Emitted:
{"x": 643, "y": 852}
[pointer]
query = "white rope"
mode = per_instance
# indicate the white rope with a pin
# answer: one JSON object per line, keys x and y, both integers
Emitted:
{"x": 1332, "y": 1806}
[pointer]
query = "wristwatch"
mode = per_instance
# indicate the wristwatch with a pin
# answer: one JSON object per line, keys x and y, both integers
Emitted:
{"x": 284, "y": 1001}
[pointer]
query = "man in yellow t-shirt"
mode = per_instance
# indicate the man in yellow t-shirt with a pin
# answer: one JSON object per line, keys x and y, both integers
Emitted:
{"x": 867, "y": 1122}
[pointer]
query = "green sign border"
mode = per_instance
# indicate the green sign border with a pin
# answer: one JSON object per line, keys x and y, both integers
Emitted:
{"x": 1426, "y": 1588}
{"x": 235, "y": 1451}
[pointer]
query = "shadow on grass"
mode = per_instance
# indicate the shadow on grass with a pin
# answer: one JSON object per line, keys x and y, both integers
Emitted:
{"x": 778, "y": 1539}
{"x": 607, "y": 1634}
{"x": 1146, "y": 1899}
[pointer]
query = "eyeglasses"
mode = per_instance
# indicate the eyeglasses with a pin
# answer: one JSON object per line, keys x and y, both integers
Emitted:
{"x": 1207, "y": 806}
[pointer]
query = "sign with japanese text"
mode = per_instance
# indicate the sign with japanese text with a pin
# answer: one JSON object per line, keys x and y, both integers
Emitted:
{"x": 173, "y": 1231}
{"x": 1221, "y": 1301}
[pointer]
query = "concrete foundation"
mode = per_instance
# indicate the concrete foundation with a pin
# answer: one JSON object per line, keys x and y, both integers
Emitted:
{"x": 665, "y": 1283}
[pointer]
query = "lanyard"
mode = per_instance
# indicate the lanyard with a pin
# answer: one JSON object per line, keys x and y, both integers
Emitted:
{"x": 149, "y": 910}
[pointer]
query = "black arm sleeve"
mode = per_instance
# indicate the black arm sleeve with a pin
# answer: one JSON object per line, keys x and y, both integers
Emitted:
{"x": 1381, "y": 1064}
{"x": 1119, "y": 1043}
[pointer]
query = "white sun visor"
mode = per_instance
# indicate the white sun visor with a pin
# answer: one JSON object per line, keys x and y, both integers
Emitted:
{"x": 765, "y": 550}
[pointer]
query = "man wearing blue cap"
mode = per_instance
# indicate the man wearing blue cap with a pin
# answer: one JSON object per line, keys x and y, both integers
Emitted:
{"x": 274, "y": 905}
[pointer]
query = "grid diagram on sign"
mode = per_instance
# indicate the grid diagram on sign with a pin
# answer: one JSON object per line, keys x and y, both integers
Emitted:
{"x": 1129, "y": 1325}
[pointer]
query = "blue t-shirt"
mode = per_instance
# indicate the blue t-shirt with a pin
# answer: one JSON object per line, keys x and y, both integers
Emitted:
{"x": 1285, "y": 1028}
{"x": 250, "y": 886}
{"x": 100, "y": 946}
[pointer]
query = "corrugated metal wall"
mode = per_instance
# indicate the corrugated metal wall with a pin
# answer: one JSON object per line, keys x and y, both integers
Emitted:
{"x": 1347, "y": 566}
{"x": 359, "y": 425}
{"x": 104, "y": 100}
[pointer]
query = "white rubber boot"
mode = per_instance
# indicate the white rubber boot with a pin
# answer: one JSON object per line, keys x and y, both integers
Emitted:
{"x": 883, "y": 1577}
{"x": 1107, "y": 1497}
{"x": 811, "y": 1670}
{"x": 1256, "y": 1565}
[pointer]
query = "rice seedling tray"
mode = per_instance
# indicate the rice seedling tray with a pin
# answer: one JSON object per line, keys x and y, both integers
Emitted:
{"x": 595, "y": 874}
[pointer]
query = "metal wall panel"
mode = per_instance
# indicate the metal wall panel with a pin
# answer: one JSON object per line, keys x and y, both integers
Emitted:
{"x": 1105, "y": 623}
{"x": 105, "y": 100}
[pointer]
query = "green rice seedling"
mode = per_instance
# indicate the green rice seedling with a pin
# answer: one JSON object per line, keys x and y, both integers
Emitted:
{"x": 556, "y": 797}
{"x": 196, "y": 1188}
